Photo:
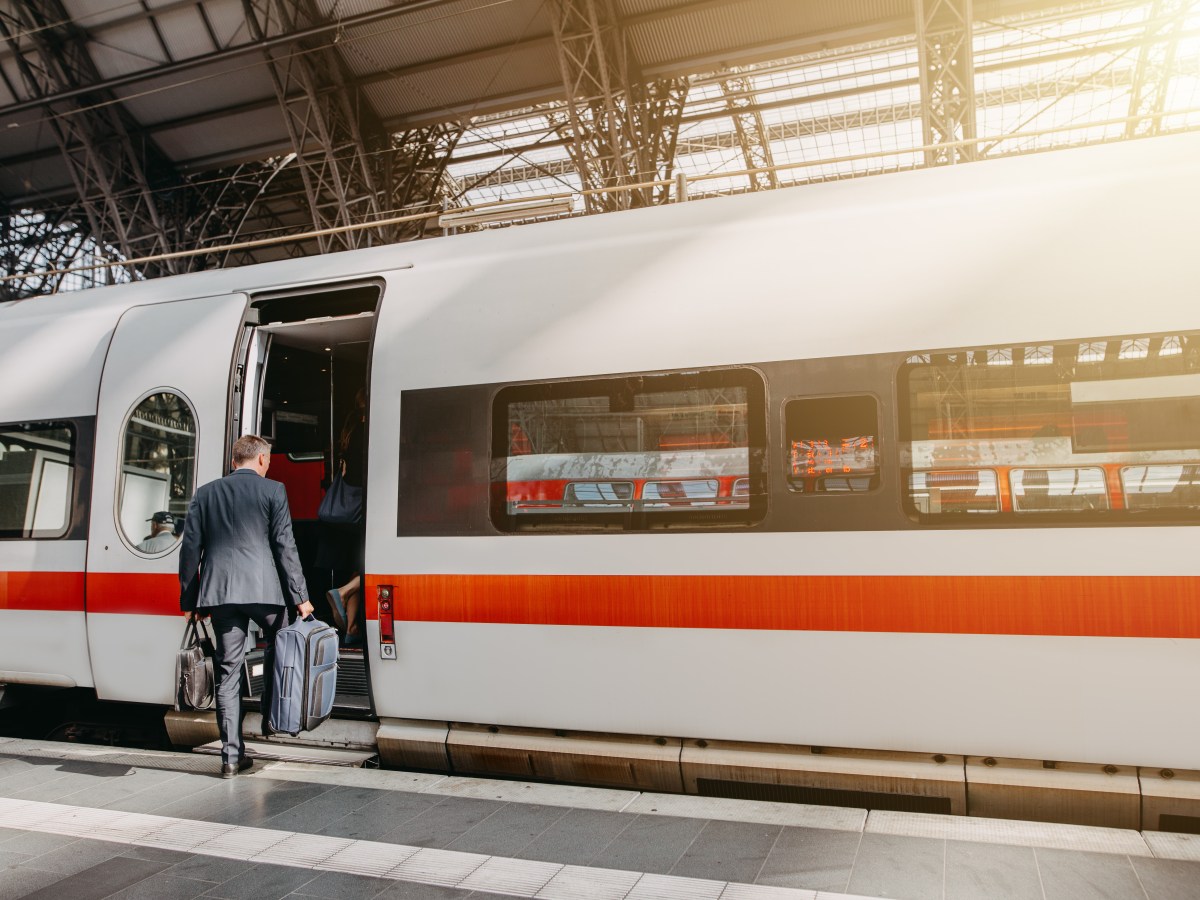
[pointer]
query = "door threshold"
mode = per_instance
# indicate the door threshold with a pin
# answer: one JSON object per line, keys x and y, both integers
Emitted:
{"x": 325, "y": 756}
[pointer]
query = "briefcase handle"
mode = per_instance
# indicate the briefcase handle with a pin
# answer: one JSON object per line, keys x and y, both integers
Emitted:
{"x": 193, "y": 638}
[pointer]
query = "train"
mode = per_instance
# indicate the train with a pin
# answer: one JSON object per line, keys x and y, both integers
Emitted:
{"x": 877, "y": 488}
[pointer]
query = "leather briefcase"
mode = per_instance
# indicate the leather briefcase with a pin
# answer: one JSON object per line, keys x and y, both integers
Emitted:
{"x": 195, "y": 686}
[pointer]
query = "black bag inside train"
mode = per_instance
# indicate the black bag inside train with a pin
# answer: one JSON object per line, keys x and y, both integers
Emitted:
{"x": 194, "y": 682}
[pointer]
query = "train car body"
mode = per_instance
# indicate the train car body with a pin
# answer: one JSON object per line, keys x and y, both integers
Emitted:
{"x": 900, "y": 464}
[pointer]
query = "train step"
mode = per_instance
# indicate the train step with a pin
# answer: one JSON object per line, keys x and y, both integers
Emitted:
{"x": 326, "y": 756}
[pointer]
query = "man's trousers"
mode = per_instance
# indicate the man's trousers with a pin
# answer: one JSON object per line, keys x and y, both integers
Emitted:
{"x": 231, "y": 621}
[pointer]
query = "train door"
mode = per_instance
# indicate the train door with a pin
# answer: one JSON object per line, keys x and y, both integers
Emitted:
{"x": 305, "y": 364}
{"x": 160, "y": 432}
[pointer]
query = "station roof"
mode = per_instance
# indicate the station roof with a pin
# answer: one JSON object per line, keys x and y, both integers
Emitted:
{"x": 190, "y": 76}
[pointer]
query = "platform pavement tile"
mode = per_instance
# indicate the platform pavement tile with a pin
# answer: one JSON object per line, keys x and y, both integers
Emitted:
{"x": 263, "y": 882}
{"x": 35, "y": 843}
{"x": 162, "y": 887}
{"x": 51, "y": 790}
{"x": 113, "y": 789}
{"x": 813, "y": 859}
{"x": 27, "y": 777}
{"x": 342, "y": 886}
{"x": 1168, "y": 879}
{"x": 728, "y": 851}
{"x": 282, "y": 796}
{"x": 315, "y": 813}
{"x": 509, "y": 830}
{"x": 576, "y": 838}
{"x": 7, "y": 834}
{"x": 409, "y": 891}
{"x": 377, "y": 818}
{"x": 213, "y": 869}
{"x": 185, "y": 785}
{"x": 976, "y": 871}
{"x": 202, "y": 805}
{"x": 10, "y": 858}
{"x": 75, "y": 857}
{"x": 20, "y": 881}
{"x": 443, "y": 823}
{"x": 649, "y": 844}
{"x": 156, "y": 854}
{"x": 1081, "y": 875}
{"x": 906, "y": 868}
{"x": 100, "y": 880}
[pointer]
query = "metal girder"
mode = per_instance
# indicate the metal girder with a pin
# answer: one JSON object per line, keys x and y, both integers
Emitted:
{"x": 116, "y": 171}
{"x": 1050, "y": 91}
{"x": 335, "y": 135}
{"x": 417, "y": 172}
{"x": 945, "y": 59}
{"x": 621, "y": 131}
{"x": 37, "y": 242}
{"x": 1156, "y": 60}
{"x": 751, "y": 133}
{"x": 250, "y": 201}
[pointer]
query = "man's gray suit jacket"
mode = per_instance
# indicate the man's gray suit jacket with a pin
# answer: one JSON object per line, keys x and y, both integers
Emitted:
{"x": 238, "y": 547}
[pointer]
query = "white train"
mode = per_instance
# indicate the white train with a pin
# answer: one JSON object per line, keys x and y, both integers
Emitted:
{"x": 681, "y": 497}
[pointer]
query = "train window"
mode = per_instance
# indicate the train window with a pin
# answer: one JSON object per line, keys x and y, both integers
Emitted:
{"x": 630, "y": 452}
{"x": 831, "y": 444}
{"x": 599, "y": 494}
{"x": 1090, "y": 430}
{"x": 1161, "y": 487}
{"x": 158, "y": 472}
{"x": 1058, "y": 490}
{"x": 950, "y": 491}
{"x": 37, "y": 472}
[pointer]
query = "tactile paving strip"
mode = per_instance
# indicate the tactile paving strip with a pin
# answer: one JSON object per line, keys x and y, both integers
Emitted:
{"x": 449, "y": 868}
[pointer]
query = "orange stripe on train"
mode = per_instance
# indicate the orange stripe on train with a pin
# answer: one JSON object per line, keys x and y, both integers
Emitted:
{"x": 1102, "y": 606}
{"x": 53, "y": 591}
{"x": 1108, "y": 606}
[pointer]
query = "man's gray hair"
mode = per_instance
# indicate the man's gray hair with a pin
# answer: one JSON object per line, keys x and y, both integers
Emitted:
{"x": 247, "y": 447}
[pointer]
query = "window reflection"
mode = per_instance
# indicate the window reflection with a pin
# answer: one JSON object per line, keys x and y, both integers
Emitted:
{"x": 36, "y": 479}
{"x": 1098, "y": 427}
{"x": 157, "y": 472}
{"x": 1058, "y": 490}
{"x": 1161, "y": 487}
{"x": 831, "y": 444}
{"x": 665, "y": 445}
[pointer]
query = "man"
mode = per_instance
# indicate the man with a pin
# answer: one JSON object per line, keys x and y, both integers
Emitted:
{"x": 162, "y": 533}
{"x": 237, "y": 564}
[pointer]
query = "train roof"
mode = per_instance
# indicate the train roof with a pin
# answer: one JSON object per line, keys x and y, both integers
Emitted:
{"x": 54, "y": 346}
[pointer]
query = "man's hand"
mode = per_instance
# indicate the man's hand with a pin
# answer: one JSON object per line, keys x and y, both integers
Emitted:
{"x": 304, "y": 610}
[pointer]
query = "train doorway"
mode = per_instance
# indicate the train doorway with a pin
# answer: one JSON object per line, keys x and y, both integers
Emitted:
{"x": 304, "y": 387}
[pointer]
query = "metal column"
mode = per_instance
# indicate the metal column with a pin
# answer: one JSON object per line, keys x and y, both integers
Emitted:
{"x": 945, "y": 60}
{"x": 1156, "y": 60}
{"x": 621, "y": 131}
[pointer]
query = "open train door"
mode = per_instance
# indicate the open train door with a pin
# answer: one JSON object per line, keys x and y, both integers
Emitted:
{"x": 160, "y": 432}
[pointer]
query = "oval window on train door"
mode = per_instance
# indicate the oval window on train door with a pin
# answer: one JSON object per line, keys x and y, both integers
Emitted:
{"x": 158, "y": 472}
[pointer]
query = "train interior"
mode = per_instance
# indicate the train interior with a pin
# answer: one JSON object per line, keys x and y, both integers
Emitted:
{"x": 311, "y": 374}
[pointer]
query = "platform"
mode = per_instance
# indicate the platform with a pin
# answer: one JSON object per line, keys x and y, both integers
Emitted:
{"x": 85, "y": 823}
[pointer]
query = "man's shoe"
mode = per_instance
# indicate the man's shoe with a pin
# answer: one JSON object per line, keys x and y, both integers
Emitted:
{"x": 228, "y": 770}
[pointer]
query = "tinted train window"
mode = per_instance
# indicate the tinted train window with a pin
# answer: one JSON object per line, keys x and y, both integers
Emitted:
{"x": 1089, "y": 430}
{"x": 630, "y": 452}
{"x": 832, "y": 444}
{"x": 158, "y": 472}
{"x": 37, "y": 472}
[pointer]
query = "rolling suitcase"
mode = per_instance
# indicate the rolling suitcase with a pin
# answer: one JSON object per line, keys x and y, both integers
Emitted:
{"x": 304, "y": 677}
